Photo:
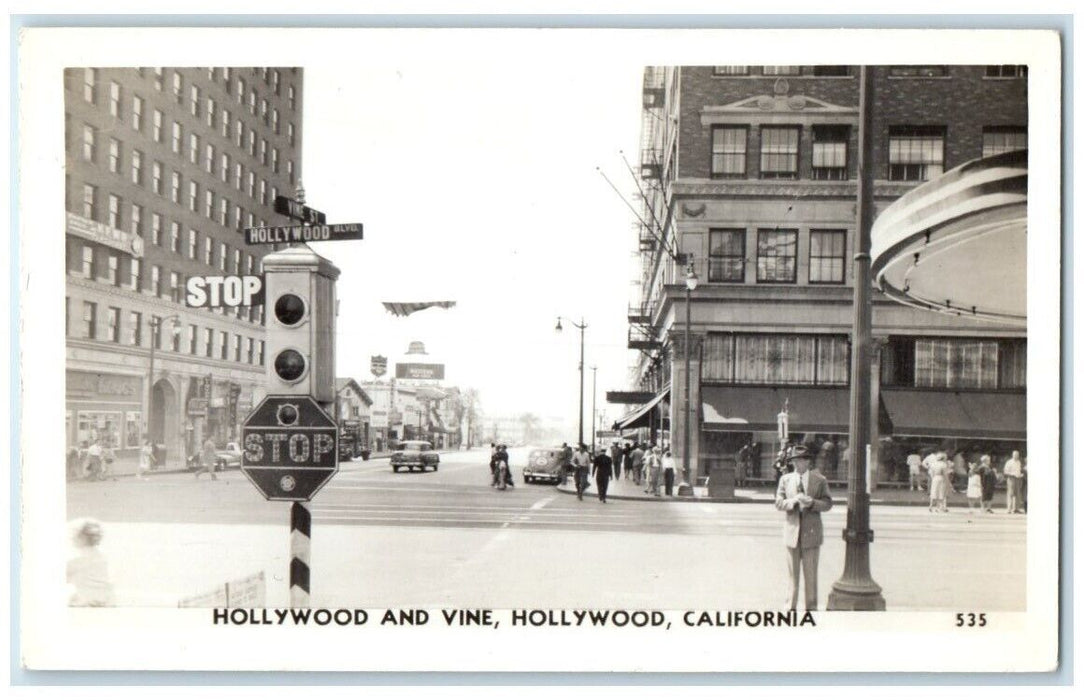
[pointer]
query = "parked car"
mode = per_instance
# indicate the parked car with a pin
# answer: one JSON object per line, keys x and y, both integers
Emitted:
{"x": 544, "y": 464}
{"x": 414, "y": 454}
{"x": 228, "y": 458}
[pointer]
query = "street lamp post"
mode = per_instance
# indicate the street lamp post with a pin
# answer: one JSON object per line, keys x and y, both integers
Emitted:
{"x": 594, "y": 395}
{"x": 155, "y": 325}
{"x": 582, "y": 326}
{"x": 685, "y": 487}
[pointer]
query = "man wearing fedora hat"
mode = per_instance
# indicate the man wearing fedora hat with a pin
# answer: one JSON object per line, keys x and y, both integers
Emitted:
{"x": 803, "y": 495}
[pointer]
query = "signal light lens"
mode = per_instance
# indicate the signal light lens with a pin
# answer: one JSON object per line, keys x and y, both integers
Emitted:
{"x": 289, "y": 309}
{"x": 290, "y": 365}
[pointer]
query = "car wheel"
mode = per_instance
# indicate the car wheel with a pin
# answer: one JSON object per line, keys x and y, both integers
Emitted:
{"x": 434, "y": 467}
{"x": 395, "y": 468}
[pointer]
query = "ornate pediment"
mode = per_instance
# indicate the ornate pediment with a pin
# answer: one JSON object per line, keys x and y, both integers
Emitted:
{"x": 781, "y": 102}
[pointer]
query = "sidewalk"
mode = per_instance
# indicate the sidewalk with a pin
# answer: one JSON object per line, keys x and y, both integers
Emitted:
{"x": 626, "y": 490}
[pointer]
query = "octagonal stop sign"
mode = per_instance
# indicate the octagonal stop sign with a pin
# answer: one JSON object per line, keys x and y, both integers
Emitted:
{"x": 289, "y": 448}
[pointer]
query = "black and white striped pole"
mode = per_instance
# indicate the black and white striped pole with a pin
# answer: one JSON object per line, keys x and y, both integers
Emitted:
{"x": 300, "y": 549}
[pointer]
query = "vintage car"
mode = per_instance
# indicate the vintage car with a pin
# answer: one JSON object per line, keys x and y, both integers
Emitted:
{"x": 414, "y": 454}
{"x": 228, "y": 458}
{"x": 544, "y": 464}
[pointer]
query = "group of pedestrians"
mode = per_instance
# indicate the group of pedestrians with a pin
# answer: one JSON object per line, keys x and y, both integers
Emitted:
{"x": 499, "y": 470}
{"x": 982, "y": 480}
{"x": 92, "y": 461}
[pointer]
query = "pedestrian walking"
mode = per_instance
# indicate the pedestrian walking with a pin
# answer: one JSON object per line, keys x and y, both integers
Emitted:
{"x": 803, "y": 495}
{"x": 492, "y": 464}
{"x": 602, "y": 470}
{"x": 566, "y": 460}
{"x": 146, "y": 460}
{"x": 615, "y": 459}
{"x": 626, "y": 460}
{"x": 653, "y": 462}
{"x": 581, "y": 461}
{"x": 1014, "y": 473}
{"x": 914, "y": 470}
{"x": 974, "y": 488}
{"x": 668, "y": 473}
{"x": 208, "y": 457}
{"x": 989, "y": 483}
{"x": 92, "y": 470}
{"x": 937, "y": 466}
{"x": 637, "y": 455}
{"x": 88, "y": 579}
{"x": 74, "y": 463}
{"x": 108, "y": 458}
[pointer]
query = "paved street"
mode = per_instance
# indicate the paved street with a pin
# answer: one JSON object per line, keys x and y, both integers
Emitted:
{"x": 446, "y": 538}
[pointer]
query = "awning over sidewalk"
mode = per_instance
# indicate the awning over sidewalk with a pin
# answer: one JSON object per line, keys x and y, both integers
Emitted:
{"x": 970, "y": 414}
{"x": 743, "y": 408}
{"x": 640, "y": 417}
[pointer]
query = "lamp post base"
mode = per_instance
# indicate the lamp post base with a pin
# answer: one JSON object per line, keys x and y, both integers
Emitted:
{"x": 856, "y": 596}
{"x": 684, "y": 489}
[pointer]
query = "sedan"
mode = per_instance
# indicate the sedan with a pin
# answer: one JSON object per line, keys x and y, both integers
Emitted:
{"x": 415, "y": 454}
{"x": 544, "y": 465}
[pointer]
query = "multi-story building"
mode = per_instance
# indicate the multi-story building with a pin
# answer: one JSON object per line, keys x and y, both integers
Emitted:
{"x": 165, "y": 168}
{"x": 749, "y": 182}
{"x": 353, "y": 411}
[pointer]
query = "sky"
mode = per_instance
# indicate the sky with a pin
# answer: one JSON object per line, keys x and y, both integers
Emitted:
{"x": 479, "y": 183}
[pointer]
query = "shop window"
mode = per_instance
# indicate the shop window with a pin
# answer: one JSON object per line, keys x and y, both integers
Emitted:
{"x": 1006, "y": 71}
{"x": 728, "y": 149}
{"x": 726, "y": 255}
{"x": 717, "y": 361}
{"x": 781, "y": 70}
{"x": 915, "y": 152}
{"x": 955, "y": 363}
{"x": 730, "y": 70}
{"x": 827, "y": 250}
{"x": 779, "y": 152}
{"x": 1002, "y": 139}
{"x": 777, "y": 252}
{"x": 830, "y": 151}
{"x": 775, "y": 359}
{"x": 103, "y": 426}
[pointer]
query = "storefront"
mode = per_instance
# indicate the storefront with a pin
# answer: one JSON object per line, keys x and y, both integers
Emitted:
{"x": 104, "y": 407}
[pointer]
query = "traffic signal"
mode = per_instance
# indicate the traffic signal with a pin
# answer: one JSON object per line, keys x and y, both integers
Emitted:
{"x": 300, "y": 323}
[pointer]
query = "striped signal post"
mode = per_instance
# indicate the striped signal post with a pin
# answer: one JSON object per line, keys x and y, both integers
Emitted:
{"x": 300, "y": 550}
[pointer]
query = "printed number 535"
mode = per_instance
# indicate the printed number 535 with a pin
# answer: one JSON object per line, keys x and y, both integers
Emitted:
{"x": 970, "y": 619}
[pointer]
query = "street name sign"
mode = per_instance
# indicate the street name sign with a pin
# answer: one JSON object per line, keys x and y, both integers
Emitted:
{"x": 296, "y": 210}
{"x": 303, "y": 233}
{"x": 289, "y": 448}
{"x": 214, "y": 291}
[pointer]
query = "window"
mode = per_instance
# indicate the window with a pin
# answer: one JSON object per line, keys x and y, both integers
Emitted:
{"x": 224, "y": 168}
{"x": 135, "y": 329}
{"x": 159, "y": 78}
{"x": 275, "y": 120}
{"x": 727, "y": 151}
{"x": 915, "y": 152}
{"x": 779, "y": 152}
{"x": 240, "y": 133}
{"x": 209, "y": 158}
{"x": 208, "y": 342}
{"x": 223, "y": 210}
{"x": 918, "y": 71}
{"x": 275, "y": 81}
{"x": 263, "y": 111}
{"x": 238, "y": 216}
{"x": 112, "y": 324}
{"x": 114, "y": 156}
{"x": 290, "y": 133}
{"x": 137, "y": 167}
{"x": 726, "y": 255}
{"x": 90, "y": 195}
{"x": 209, "y": 204}
{"x": 290, "y": 170}
{"x": 88, "y": 262}
{"x": 223, "y": 255}
{"x": 251, "y": 184}
{"x": 176, "y": 137}
{"x": 226, "y": 79}
{"x": 157, "y": 126}
{"x": 238, "y": 176}
{"x": 240, "y": 91}
{"x": 178, "y": 87}
{"x": 135, "y": 279}
{"x": 223, "y": 345}
{"x": 210, "y": 113}
{"x": 236, "y": 348}
{"x": 114, "y": 99}
{"x": 193, "y": 195}
{"x": 249, "y": 348}
{"x": 1012, "y": 364}
{"x": 776, "y": 254}
{"x": 208, "y": 247}
{"x": 774, "y": 359}
{"x": 193, "y": 248}
{"x": 236, "y": 266}
{"x": 193, "y": 148}
{"x": 826, "y": 256}
{"x": 730, "y": 70}
{"x": 1006, "y": 71}
{"x": 136, "y": 224}
{"x": 137, "y": 112}
{"x": 175, "y": 337}
{"x": 112, "y": 263}
{"x": 156, "y": 280}
{"x": 956, "y": 363}
{"x": 290, "y": 97}
{"x": 252, "y": 142}
{"x": 1002, "y": 139}
{"x": 248, "y": 264}
{"x": 90, "y": 79}
{"x": 193, "y": 339}
{"x": 831, "y": 71}
{"x": 274, "y": 160}
{"x": 90, "y": 320}
{"x": 156, "y": 229}
{"x": 252, "y": 101}
{"x": 259, "y": 354}
{"x": 193, "y": 98}
{"x": 781, "y": 70}
{"x": 174, "y": 237}
{"x": 114, "y": 211}
{"x": 175, "y": 287}
{"x": 263, "y": 191}
{"x": 226, "y": 119}
{"x": 89, "y": 138}
{"x": 830, "y": 151}
{"x": 175, "y": 187}
{"x": 263, "y": 151}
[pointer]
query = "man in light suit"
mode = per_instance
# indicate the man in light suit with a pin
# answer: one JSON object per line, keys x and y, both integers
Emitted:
{"x": 803, "y": 495}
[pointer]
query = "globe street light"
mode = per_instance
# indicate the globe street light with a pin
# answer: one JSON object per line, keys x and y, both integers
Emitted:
{"x": 685, "y": 487}
{"x": 582, "y": 326}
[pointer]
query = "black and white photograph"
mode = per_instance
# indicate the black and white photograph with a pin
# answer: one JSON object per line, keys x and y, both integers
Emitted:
{"x": 529, "y": 350}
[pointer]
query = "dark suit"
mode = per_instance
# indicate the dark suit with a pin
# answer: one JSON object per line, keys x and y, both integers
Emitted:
{"x": 803, "y": 532}
{"x": 602, "y": 470}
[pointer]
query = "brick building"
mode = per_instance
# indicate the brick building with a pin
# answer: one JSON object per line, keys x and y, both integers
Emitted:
{"x": 749, "y": 176}
{"x": 165, "y": 167}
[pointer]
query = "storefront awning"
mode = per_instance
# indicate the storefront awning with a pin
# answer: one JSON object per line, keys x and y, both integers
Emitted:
{"x": 811, "y": 410}
{"x": 971, "y": 414}
{"x": 640, "y": 417}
